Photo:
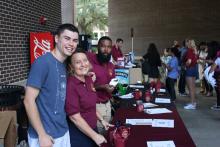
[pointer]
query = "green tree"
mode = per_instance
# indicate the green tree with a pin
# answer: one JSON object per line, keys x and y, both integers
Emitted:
{"x": 91, "y": 14}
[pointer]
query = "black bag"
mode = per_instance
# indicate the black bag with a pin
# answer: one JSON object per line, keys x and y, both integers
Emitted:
{"x": 145, "y": 67}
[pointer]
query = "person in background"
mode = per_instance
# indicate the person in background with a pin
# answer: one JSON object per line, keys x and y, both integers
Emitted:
{"x": 175, "y": 43}
{"x": 215, "y": 67}
{"x": 116, "y": 50}
{"x": 165, "y": 58}
{"x": 213, "y": 48}
{"x": 46, "y": 92}
{"x": 202, "y": 53}
{"x": 182, "y": 78}
{"x": 81, "y": 103}
{"x": 153, "y": 58}
{"x": 191, "y": 73}
{"x": 166, "y": 55}
{"x": 104, "y": 71}
{"x": 173, "y": 72}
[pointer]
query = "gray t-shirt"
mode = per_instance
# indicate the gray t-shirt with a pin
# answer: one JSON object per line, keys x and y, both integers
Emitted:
{"x": 49, "y": 76}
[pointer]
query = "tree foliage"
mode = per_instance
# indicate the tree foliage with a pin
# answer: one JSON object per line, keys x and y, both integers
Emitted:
{"x": 92, "y": 14}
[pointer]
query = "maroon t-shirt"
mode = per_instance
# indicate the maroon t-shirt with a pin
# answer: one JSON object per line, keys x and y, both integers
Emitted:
{"x": 191, "y": 55}
{"x": 81, "y": 98}
{"x": 116, "y": 53}
{"x": 104, "y": 73}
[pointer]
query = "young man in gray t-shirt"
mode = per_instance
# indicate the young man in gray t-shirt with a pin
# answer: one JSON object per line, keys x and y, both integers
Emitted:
{"x": 46, "y": 92}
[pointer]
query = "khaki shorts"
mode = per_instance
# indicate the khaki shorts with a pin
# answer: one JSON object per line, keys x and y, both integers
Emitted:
{"x": 105, "y": 112}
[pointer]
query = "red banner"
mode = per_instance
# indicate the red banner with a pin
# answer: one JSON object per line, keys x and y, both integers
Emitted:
{"x": 40, "y": 44}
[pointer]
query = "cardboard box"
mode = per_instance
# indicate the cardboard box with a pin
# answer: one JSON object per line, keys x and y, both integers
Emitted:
{"x": 8, "y": 128}
{"x": 129, "y": 76}
{"x": 135, "y": 74}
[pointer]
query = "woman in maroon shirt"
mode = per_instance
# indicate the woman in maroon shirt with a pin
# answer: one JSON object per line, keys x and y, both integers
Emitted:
{"x": 81, "y": 104}
{"x": 191, "y": 72}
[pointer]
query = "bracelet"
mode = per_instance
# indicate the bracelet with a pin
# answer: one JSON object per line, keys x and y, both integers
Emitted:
{"x": 101, "y": 120}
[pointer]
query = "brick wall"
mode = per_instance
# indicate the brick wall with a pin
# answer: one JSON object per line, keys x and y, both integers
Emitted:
{"x": 17, "y": 19}
{"x": 162, "y": 21}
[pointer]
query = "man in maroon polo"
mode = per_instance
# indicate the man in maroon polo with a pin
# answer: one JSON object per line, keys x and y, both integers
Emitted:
{"x": 116, "y": 50}
{"x": 104, "y": 71}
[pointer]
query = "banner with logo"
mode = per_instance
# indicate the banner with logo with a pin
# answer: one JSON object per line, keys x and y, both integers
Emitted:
{"x": 40, "y": 44}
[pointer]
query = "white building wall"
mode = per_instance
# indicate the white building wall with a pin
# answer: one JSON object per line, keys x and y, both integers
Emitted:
{"x": 67, "y": 11}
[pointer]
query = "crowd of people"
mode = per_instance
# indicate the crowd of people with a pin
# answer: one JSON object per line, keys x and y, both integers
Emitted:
{"x": 68, "y": 94}
{"x": 185, "y": 64}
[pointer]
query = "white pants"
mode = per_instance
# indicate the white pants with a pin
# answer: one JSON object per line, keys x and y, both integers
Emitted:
{"x": 63, "y": 141}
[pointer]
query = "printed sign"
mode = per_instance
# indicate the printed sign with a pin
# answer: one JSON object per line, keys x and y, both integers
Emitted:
{"x": 122, "y": 75}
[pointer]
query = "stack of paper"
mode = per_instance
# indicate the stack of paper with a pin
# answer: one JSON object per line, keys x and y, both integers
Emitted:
{"x": 209, "y": 76}
{"x": 149, "y": 105}
{"x": 126, "y": 96}
{"x": 136, "y": 86}
{"x": 139, "y": 121}
{"x": 128, "y": 66}
{"x": 157, "y": 111}
{"x": 162, "y": 100}
{"x": 162, "y": 90}
{"x": 164, "y": 123}
{"x": 168, "y": 143}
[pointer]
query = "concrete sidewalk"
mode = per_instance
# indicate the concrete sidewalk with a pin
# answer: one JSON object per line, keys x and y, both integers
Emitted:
{"x": 203, "y": 123}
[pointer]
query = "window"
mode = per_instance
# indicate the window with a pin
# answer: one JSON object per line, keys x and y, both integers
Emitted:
{"x": 95, "y": 36}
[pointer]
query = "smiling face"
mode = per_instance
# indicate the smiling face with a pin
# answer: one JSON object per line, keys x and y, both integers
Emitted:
{"x": 66, "y": 42}
{"x": 80, "y": 64}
